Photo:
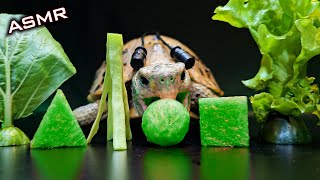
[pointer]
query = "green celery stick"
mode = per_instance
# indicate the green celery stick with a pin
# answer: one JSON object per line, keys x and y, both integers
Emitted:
{"x": 110, "y": 118}
{"x": 114, "y": 61}
{"x": 118, "y": 108}
{"x": 102, "y": 105}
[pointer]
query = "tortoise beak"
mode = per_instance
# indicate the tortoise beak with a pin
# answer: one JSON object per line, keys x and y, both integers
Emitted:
{"x": 172, "y": 94}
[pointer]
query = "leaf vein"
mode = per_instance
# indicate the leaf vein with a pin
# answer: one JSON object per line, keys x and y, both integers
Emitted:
{"x": 27, "y": 104}
{"x": 14, "y": 48}
{"x": 2, "y": 92}
{"x": 27, "y": 73}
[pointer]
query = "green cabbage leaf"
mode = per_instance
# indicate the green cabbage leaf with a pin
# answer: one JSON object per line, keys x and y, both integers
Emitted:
{"x": 32, "y": 66}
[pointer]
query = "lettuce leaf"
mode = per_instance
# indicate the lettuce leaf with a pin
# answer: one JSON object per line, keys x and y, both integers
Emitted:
{"x": 32, "y": 66}
{"x": 288, "y": 35}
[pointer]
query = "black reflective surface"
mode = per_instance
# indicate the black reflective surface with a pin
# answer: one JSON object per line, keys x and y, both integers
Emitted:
{"x": 143, "y": 162}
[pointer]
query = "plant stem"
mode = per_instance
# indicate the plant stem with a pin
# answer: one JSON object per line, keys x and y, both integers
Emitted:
{"x": 8, "y": 98}
{"x": 7, "y": 113}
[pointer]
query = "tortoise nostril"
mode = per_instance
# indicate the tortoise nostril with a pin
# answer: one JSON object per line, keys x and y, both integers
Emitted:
{"x": 144, "y": 81}
{"x": 171, "y": 79}
{"x": 183, "y": 76}
{"x": 162, "y": 80}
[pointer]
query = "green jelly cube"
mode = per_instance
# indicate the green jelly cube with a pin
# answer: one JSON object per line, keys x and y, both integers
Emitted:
{"x": 224, "y": 121}
{"x": 59, "y": 127}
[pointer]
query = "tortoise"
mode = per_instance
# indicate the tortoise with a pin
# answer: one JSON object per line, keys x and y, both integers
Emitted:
{"x": 161, "y": 77}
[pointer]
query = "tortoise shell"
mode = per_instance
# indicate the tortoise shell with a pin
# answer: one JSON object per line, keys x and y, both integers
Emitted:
{"x": 199, "y": 73}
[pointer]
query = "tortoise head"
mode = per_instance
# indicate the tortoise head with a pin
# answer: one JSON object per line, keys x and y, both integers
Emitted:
{"x": 160, "y": 81}
{"x": 160, "y": 78}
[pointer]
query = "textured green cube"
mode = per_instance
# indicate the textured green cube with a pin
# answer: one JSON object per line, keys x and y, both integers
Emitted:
{"x": 59, "y": 127}
{"x": 224, "y": 121}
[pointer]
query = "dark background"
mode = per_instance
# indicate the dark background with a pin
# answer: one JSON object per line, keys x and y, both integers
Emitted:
{"x": 231, "y": 53}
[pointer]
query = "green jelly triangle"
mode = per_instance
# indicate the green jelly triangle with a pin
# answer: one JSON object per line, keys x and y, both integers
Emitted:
{"x": 59, "y": 127}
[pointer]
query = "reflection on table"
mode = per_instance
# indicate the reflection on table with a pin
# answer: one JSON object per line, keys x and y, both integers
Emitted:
{"x": 224, "y": 163}
{"x": 144, "y": 161}
{"x": 58, "y": 163}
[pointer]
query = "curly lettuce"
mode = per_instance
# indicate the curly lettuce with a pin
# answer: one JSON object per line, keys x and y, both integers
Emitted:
{"x": 288, "y": 35}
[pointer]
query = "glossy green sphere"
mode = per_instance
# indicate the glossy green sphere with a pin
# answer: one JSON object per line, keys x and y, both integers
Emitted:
{"x": 165, "y": 122}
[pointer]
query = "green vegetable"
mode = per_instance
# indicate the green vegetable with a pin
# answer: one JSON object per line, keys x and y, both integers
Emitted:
{"x": 32, "y": 66}
{"x": 12, "y": 136}
{"x": 102, "y": 104}
{"x": 288, "y": 35}
{"x": 165, "y": 122}
{"x": 118, "y": 107}
{"x": 59, "y": 126}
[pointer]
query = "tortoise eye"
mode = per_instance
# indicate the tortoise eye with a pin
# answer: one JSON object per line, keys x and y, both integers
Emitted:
{"x": 183, "y": 76}
{"x": 144, "y": 81}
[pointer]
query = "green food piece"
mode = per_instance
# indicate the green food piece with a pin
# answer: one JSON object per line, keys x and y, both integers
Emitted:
{"x": 224, "y": 121}
{"x": 287, "y": 33}
{"x": 59, "y": 126}
{"x": 32, "y": 66}
{"x": 102, "y": 104}
{"x": 58, "y": 163}
{"x": 165, "y": 122}
{"x": 114, "y": 61}
{"x": 118, "y": 106}
{"x": 11, "y": 136}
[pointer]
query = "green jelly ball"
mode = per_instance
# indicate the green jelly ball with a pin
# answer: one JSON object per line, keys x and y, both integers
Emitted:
{"x": 165, "y": 122}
